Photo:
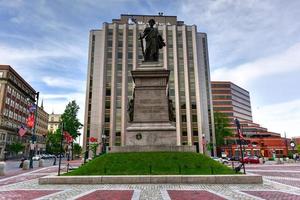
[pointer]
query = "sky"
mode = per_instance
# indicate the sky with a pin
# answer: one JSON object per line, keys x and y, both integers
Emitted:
{"x": 252, "y": 43}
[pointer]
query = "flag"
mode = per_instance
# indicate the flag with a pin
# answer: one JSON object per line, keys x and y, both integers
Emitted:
{"x": 32, "y": 108}
{"x": 30, "y": 120}
{"x": 240, "y": 134}
{"x": 22, "y": 130}
{"x": 68, "y": 137}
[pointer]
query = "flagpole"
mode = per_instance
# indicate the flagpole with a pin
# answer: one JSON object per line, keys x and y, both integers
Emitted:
{"x": 61, "y": 147}
{"x": 238, "y": 128}
{"x": 33, "y": 136}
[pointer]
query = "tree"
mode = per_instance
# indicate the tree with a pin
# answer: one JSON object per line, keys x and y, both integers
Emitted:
{"x": 77, "y": 149}
{"x": 70, "y": 120}
{"x": 16, "y": 147}
{"x": 53, "y": 142}
{"x": 298, "y": 148}
{"x": 222, "y": 124}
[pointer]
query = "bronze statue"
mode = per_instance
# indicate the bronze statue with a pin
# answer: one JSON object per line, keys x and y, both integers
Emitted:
{"x": 154, "y": 42}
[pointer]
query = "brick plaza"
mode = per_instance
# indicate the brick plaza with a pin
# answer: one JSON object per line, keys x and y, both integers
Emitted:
{"x": 280, "y": 182}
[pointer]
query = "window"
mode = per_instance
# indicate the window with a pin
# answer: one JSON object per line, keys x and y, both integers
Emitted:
{"x": 119, "y": 54}
{"x": 1, "y": 74}
{"x": 183, "y": 118}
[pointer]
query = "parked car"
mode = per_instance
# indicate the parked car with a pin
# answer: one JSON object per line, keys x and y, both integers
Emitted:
{"x": 36, "y": 157}
{"x": 250, "y": 159}
{"x": 220, "y": 160}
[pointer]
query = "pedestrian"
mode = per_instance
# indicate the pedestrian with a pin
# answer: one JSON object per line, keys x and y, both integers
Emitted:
{"x": 22, "y": 162}
{"x": 54, "y": 163}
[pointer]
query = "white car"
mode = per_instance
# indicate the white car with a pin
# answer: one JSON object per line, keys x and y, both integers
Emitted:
{"x": 36, "y": 157}
{"x": 220, "y": 160}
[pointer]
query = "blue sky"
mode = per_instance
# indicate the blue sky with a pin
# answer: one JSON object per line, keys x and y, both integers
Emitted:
{"x": 253, "y": 43}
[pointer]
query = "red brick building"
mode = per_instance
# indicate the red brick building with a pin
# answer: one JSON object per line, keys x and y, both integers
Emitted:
{"x": 234, "y": 102}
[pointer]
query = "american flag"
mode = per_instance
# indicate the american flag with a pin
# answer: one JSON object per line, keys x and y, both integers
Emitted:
{"x": 22, "y": 130}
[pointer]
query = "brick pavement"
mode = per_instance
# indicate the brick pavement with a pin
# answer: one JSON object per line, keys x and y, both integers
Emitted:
{"x": 193, "y": 195}
{"x": 25, "y": 194}
{"x": 108, "y": 194}
{"x": 280, "y": 183}
{"x": 274, "y": 195}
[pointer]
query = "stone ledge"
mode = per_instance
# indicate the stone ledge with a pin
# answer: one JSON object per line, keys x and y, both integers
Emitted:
{"x": 154, "y": 179}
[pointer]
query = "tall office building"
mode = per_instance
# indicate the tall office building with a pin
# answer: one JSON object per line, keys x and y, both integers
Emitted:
{"x": 234, "y": 101}
{"x": 115, "y": 50}
{"x": 231, "y": 100}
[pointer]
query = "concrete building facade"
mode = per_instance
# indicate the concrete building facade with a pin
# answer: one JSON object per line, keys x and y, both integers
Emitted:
{"x": 115, "y": 50}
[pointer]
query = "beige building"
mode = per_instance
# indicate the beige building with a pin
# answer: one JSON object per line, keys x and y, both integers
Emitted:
{"x": 41, "y": 128}
{"x": 114, "y": 50}
{"x": 53, "y": 122}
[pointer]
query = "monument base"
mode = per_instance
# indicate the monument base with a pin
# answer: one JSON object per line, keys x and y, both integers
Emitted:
{"x": 151, "y": 134}
{"x": 152, "y": 148}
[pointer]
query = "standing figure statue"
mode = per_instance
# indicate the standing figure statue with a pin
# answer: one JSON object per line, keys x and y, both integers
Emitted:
{"x": 154, "y": 42}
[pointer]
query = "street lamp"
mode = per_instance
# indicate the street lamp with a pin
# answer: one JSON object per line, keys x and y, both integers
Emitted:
{"x": 238, "y": 129}
{"x": 103, "y": 143}
{"x": 33, "y": 136}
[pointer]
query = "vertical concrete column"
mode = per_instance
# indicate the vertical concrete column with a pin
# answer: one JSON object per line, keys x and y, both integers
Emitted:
{"x": 187, "y": 87}
{"x": 124, "y": 84}
{"x": 135, "y": 46}
{"x": 104, "y": 73}
{"x": 165, "y": 49}
{"x": 209, "y": 96}
{"x": 112, "y": 124}
{"x": 197, "y": 88}
{"x": 176, "y": 86}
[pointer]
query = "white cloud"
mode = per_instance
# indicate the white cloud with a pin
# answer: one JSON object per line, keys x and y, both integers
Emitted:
{"x": 284, "y": 62}
{"x": 63, "y": 82}
{"x": 281, "y": 117}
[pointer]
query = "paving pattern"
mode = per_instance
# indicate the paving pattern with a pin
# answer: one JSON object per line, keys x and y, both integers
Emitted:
{"x": 108, "y": 194}
{"x": 280, "y": 182}
{"x": 192, "y": 195}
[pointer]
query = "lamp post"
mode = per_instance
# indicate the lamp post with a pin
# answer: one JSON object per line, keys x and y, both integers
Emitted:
{"x": 238, "y": 129}
{"x": 103, "y": 143}
{"x": 33, "y": 136}
{"x": 61, "y": 147}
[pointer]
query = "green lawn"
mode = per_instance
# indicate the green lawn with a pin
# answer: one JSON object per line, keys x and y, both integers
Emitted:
{"x": 155, "y": 163}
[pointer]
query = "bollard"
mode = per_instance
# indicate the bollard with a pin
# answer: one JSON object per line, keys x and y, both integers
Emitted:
{"x": 2, "y": 168}
{"x": 41, "y": 163}
{"x": 26, "y": 165}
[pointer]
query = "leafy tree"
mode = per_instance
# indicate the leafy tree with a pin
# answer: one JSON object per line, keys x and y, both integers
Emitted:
{"x": 70, "y": 120}
{"x": 298, "y": 148}
{"x": 16, "y": 147}
{"x": 77, "y": 149}
{"x": 53, "y": 142}
{"x": 222, "y": 130}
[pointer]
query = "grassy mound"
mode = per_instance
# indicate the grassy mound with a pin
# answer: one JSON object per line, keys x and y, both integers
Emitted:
{"x": 155, "y": 163}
